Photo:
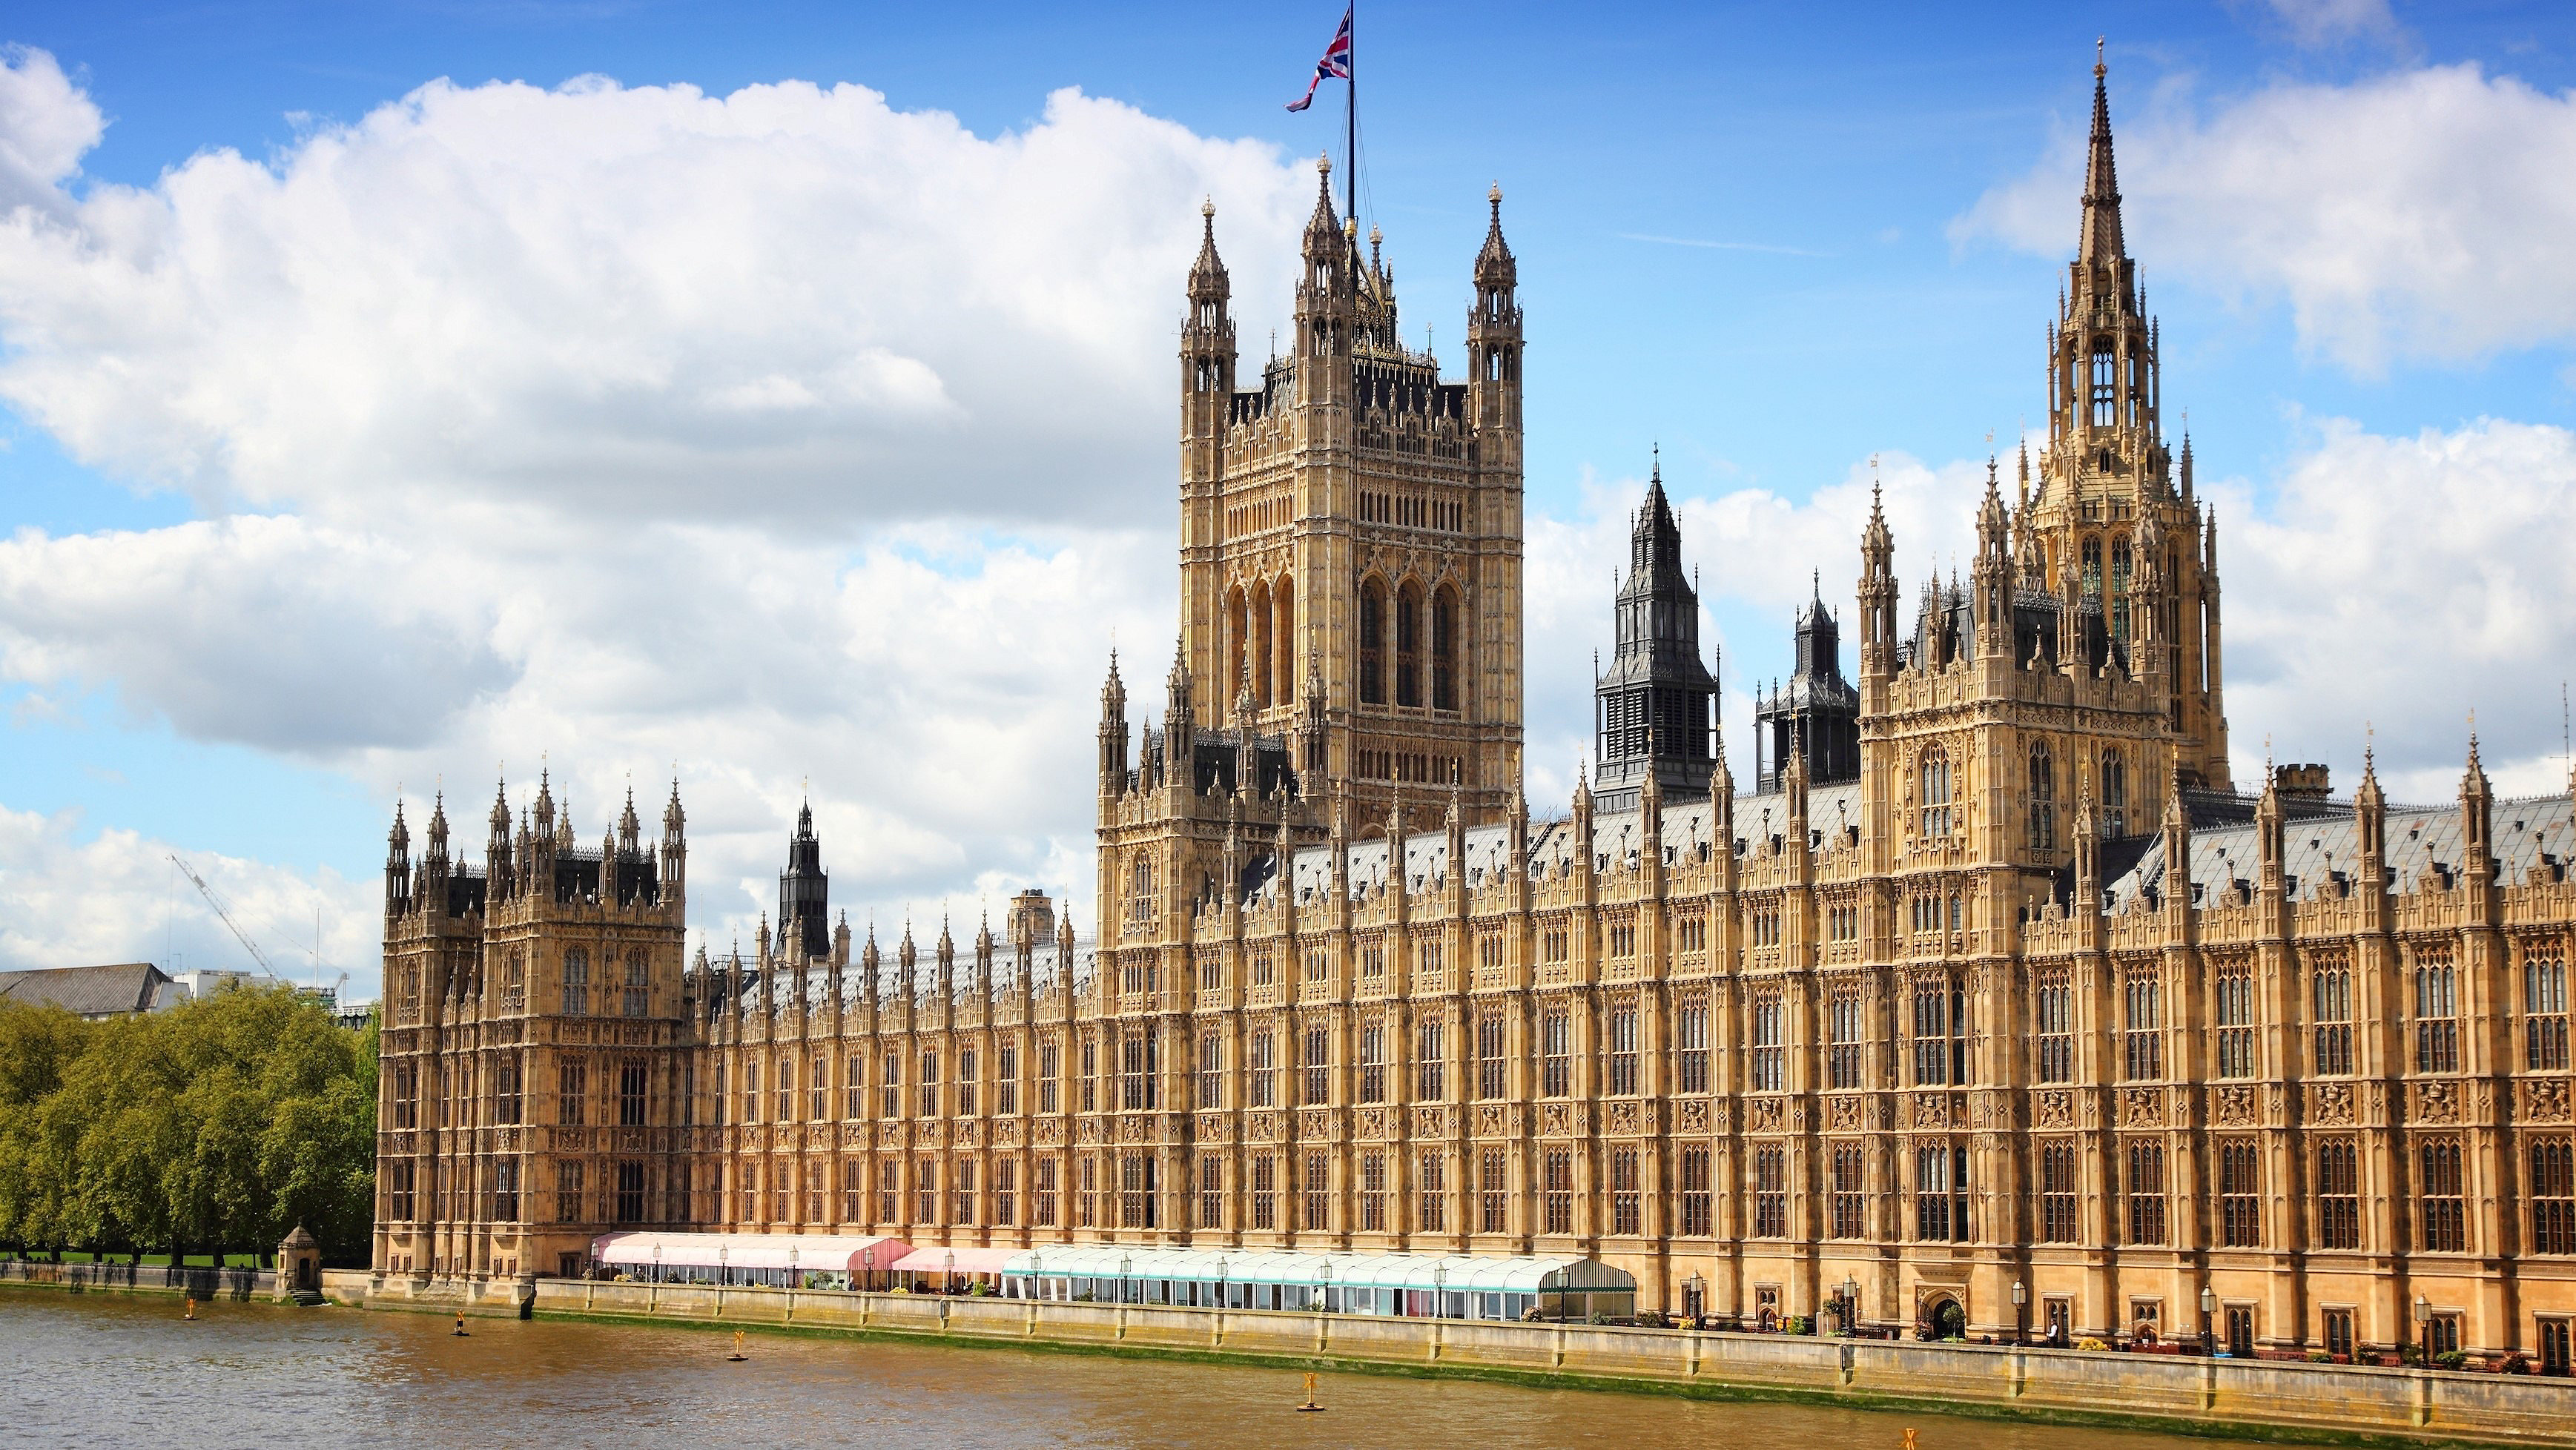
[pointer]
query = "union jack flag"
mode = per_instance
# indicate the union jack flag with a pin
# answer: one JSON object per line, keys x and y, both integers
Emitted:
{"x": 1336, "y": 63}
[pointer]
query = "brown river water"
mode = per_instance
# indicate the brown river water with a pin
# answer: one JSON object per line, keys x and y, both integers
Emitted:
{"x": 118, "y": 1370}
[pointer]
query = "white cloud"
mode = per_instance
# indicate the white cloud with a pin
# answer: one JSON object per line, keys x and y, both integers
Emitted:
{"x": 2403, "y": 582}
{"x": 115, "y": 897}
{"x": 2420, "y": 214}
{"x": 789, "y": 304}
{"x": 46, "y": 125}
{"x": 2327, "y": 22}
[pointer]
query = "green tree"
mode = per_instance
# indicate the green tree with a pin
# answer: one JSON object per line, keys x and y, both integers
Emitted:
{"x": 216, "y": 1126}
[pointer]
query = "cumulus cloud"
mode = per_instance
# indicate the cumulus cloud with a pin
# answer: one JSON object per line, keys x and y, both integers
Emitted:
{"x": 789, "y": 303}
{"x": 114, "y": 897}
{"x": 2404, "y": 582}
{"x": 2420, "y": 214}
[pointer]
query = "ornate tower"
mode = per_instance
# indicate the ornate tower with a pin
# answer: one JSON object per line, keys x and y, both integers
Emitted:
{"x": 1653, "y": 708}
{"x": 804, "y": 894}
{"x": 1351, "y": 529}
{"x": 2107, "y": 479}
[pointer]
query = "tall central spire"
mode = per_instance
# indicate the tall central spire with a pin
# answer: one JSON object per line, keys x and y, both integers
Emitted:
{"x": 2101, "y": 241}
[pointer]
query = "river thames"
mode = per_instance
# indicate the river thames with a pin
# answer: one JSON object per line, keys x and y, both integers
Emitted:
{"x": 114, "y": 1370}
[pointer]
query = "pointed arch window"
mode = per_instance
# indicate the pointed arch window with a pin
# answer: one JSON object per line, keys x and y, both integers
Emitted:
{"x": 576, "y": 983}
{"x": 2093, "y": 567}
{"x": 1935, "y": 794}
{"x": 1372, "y": 644}
{"x": 1283, "y": 633}
{"x": 2106, "y": 383}
{"x": 1444, "y": 649}
{"x": 1408, "y": 645}
{"x": 2043, "y": 799}
{"x": 2119, "y": 609}
{"x": 2115, "y": 795}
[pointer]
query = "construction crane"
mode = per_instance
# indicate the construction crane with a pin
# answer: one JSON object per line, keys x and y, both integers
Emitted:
{"x": 216, "y": 902}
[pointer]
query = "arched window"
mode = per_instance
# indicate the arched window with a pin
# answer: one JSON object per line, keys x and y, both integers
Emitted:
{"x": 2093, "y": 567}
{"x": 1408, "y": 645}
{"x": 639, "y": 985}
{"x": 2115, "y": 795}
{"x": 1140, "y": 889}
{"x": 1258, "y": 627}
{"x": 1283, "y": 635}
{"x": 2106, "y": 384}
{"x": 2119, "y": 608}
{"x": 514, "y": 984}
{"x": 1444, "y": 649}
{"x": 2043, "y": 800}
{"x": 576, "y": 983}
{"x": 1372, "y": 644}
{"x": 1935, "y": 798}
{"x": 1238, "y": 625}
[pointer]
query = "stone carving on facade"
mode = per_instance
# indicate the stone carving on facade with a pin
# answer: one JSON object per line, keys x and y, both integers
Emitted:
{"x": 1844, "y": 1114}
{"x": 1556, "y": 1120}
{"x": 1623, "y": 1118}
{"x": 1315, "y": 1123}
{"x": 2544, "y": 1100}
{"x": 2330, "y": 1104}
{"x": 2232, "y": 1107}
{"x": 2052, "y": 1108}
{"x": 1489, "y": 1120}
{"x": 2142, "y": 1107}
{"x": 1430, "y": 1122}
{"x": 1050, "y": 1131}
{"x": 1762, "y": 1115}
{"x": 1373, "y": 1125}
{"x": 2435, "y": 1102}
{"x": 1086, "y": 1130}
{"x": 1693, "y": 1115}
{"x": 1006, "y": 1133}
{"x": 1211, "y": 1128}
{"x": 1262, "y": 1127}
{"x": 1135, "y": 1129}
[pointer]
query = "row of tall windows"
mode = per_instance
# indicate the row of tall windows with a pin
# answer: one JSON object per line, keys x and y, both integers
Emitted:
{"x": 1419, "y": 632}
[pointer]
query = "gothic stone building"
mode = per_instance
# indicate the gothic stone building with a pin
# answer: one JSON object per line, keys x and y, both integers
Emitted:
{"x": 1996, "y": 978}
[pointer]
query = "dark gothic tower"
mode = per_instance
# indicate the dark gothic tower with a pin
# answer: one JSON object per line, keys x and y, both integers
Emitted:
{"x": 1816, "y": 714}
{"x": 804, "y": 893}
{"x": 1654, "y": 706}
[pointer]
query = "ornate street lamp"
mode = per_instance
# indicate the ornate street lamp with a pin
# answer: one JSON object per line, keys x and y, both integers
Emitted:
{"x": 868, "y": 1267}
{"x": 1323, "y": 1284}
{"x": 2021, "y": 1312}
{"x": 1037, "y": 1272}
{"x": 1223, "y": 1299}
{"x": 2208, "y": 1307}
{"x": 2423, "y": 1328}
{"x": 948, "y": 1272}
{"x": 1440, "y": 1289}
{"x": 1123, "y": 1271}
{"x": 1851, "y": 1305}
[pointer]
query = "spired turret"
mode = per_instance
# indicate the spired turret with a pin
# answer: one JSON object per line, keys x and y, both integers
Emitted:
{"x": 1655, "y": 706}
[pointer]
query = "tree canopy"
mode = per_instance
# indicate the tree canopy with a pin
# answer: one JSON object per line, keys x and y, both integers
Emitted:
{"x": 214, "y": 1127}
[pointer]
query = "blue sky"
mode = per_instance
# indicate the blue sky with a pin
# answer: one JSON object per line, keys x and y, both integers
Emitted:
{"x": 1774, "y": 241}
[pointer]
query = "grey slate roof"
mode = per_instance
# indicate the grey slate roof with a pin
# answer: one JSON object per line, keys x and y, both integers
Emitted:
{"x": 2322, "y": 847}
{"x": 101, "y": 991}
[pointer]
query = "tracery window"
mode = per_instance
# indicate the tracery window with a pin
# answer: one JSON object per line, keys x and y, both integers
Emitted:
{"x": 2437, "y": 1026}
{"x": 2338, "y": 1195}
{"x": 1935, "y": 797}
{"x": 2233, "y": 989}
{"x": 1767, "y": 1066}
{"x": 2146, "y": 1192}
{"x": 2330, "y": 992}
{"x": 2544, "y": 1008}
{"x": 1372, "y": 632}
{"x": 576, "y": 983}
{"x": 2057, "y": 1193}
{"x": 2043, "y": 800}
{"x": 2054, "y": 1019}
{"x": 1623, "y": 1051}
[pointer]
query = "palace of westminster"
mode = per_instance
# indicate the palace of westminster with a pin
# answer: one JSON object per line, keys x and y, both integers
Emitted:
{"x": 1994, "y": 977}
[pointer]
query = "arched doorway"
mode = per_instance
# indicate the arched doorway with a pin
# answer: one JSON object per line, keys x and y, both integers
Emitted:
{"x": 1948, "y": 1318}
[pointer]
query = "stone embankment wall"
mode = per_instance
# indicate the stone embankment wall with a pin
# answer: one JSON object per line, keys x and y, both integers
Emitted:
{"x": 204, "y": 1283}
{"x": 2337, "y": 1401}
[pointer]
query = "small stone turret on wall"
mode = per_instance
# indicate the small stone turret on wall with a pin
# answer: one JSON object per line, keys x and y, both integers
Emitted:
{"x": 299, "y": 1269}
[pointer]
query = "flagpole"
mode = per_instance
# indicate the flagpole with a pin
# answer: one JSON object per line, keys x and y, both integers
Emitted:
{"x": 1351, "y": 123}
